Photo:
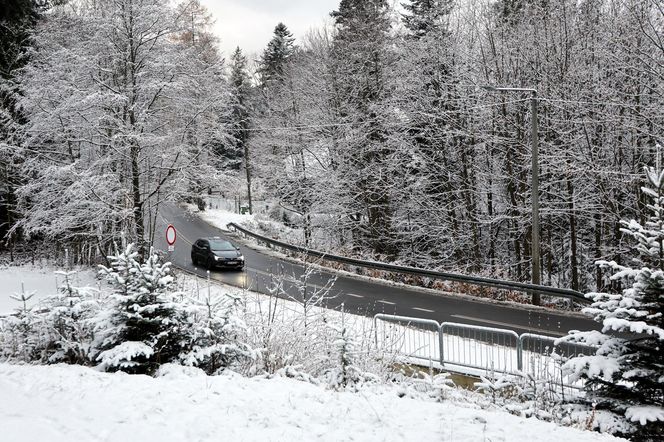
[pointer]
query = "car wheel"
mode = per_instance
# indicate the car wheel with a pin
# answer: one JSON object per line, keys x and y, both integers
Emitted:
{"x": 210, "y": 264}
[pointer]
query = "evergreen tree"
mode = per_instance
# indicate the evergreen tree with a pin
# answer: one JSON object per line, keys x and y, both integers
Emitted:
{"x": 214, "y": 335}
{"x": 142, "y": 328}
{"x": 67, "y": 320}
{"x": 240, "y": 89}
{"x": 275, "y": 55}
{"x": 17, "y": 18}
{"x": 625, "y": 377}
{"x": 362, "y": 61}
{"x": 424, "y": 16}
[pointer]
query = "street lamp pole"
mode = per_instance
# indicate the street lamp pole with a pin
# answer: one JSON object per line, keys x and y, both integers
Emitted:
{"x": 535, "y": 233}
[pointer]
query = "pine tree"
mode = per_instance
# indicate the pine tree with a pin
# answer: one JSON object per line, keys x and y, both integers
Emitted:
{"x": 346, "y": 372}
{"x": 67, "y": 319}
{"x": 625, "y": 377}
{"x": 362, "y": 61}
{"x": 142, "y": 327}
{"x": 240, "y": 85}
{"x": 425, "y": 16}
{"x": 17, "y": 19}
{"x": 276, "y": 54}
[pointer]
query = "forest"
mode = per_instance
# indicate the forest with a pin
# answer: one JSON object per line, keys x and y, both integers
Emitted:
{"x": 375, "y": 137}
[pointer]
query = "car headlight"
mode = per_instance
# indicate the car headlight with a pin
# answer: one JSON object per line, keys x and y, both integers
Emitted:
{"x": 241, "y": 257}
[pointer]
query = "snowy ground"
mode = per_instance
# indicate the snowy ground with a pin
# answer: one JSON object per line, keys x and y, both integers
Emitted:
{"x": 67, "y": 403}
{"x": 41, "y": 280}
{"x": 220, "y": 218}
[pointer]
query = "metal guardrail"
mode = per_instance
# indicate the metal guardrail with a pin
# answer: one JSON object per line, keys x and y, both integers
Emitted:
{"x": 492, "y": 350}
{"x": 454, "y": 277}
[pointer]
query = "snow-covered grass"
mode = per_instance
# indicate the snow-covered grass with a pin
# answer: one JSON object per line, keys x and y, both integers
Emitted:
{"x": 40, "y": 280}
{"x": 65, "y": 403}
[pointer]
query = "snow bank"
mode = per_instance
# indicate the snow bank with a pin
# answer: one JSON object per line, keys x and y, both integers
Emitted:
{"x": 65, "y": 403}
{"x": 220, "y": 218}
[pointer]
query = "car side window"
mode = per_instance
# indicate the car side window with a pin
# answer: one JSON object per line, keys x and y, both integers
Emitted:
{"x": 205, "y": 245}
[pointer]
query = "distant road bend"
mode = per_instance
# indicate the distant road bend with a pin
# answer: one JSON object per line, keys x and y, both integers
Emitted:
{"x": 361, "y": 295}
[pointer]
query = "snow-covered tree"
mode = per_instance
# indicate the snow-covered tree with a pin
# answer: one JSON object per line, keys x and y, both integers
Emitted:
{"x": 215, "y": 336}
{"x": 121, "y": 100}
{"x": 276, "y": 55}
{"x": 19, "y": 332}
{"x": 57, "y": 329}
{"x": 17, "y": 18}
{"x": 67, "y": 321}
{"x": 362, "y": 59}
{"x": 240, "y": 118}
{"x": 423, "y": 16}
{"x": 625, "y": 377}
{"x": 346, "y": 372}
{"x": 142, "y": 326}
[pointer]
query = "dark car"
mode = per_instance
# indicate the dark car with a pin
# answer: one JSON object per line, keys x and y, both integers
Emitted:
{"x": 216, "y": 252}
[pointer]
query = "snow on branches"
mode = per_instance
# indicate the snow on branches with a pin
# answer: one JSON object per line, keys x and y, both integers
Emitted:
{"x": 625, "y": 376}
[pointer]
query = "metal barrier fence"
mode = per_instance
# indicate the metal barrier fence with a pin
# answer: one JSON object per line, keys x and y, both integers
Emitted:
{"x": 484, "y": 349}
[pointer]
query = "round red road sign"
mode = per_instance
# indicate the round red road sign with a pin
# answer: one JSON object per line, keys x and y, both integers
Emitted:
{"x": 171, "y": 235}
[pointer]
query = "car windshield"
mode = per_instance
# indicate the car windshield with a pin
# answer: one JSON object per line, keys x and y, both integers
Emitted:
{"x": 221, "y": 245}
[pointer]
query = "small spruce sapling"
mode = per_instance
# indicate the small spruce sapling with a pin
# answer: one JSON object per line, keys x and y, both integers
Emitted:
{"x": 142, "y": 328}
{"x": 68, "y": 317}
{"x": 213, "y": 339}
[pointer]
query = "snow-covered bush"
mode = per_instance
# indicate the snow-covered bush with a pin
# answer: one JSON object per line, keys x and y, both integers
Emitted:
{"x": 347, "y": 374}
{"x": 146, "y": 323}
{"x": 58, "y": 329}
{"x": 142, "y": 326}
{"x": 215, "y": 337}
{"x": 292, "y": 333}
{"x": 432, "y": 385}
{"x": 625, "y": 377}
{"x": 19, "y": 333}
{"x": 301, "y": 335}
{"x": 67, "y": 318}
{"x": 500, "y": 388}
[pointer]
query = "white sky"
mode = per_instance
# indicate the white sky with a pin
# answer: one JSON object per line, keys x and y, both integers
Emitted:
{"x": 250, "y": 23}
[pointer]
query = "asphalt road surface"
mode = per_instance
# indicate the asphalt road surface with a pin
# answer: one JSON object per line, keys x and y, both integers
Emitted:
{"x": 359, "y": 295}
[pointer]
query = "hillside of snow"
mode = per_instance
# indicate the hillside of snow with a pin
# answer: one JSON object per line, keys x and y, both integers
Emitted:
{"x": 72, "y": 403}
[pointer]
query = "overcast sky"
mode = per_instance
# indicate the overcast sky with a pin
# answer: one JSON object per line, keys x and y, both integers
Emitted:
{"x": 249, "y": 23}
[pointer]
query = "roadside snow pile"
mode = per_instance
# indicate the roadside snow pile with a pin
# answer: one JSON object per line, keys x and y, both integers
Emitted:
{"x": 257, "y": 223}
{"x": 65, "y": 403}
{"x": 221, "y": 218}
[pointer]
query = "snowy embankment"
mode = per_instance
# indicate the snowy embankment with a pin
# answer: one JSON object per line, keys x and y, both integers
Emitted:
{"x": 261, "y": 223}
{"x": 65, "y": 403}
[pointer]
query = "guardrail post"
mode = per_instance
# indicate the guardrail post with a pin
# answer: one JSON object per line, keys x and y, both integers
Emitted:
{"x": 441, "y": 344}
